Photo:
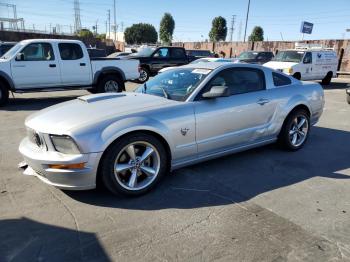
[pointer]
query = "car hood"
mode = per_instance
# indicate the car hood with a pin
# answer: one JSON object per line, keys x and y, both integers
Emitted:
{"x": 91, "y": 110}
{"x": 279, "y": 65}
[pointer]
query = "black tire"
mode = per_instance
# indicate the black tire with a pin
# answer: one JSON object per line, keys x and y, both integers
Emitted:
{"x": 297, "y": 76}
{"x": 327, "y": 79}
{"x": 103, "y": 82}
{"x": 107, "y": 170}
{"x": 284, "y": 137}
{"x": 144, "y": 75}
{"x": 4, "y": 94}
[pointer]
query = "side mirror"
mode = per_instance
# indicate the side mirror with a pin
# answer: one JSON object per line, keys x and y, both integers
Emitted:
{"x": 217, "y": 91}
{"x": 20, "y": 57}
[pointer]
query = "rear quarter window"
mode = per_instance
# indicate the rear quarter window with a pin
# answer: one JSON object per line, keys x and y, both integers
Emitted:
{"x": 280, "y": 80}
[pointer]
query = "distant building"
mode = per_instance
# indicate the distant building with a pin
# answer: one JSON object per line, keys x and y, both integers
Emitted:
{"x": 119, "y": 36}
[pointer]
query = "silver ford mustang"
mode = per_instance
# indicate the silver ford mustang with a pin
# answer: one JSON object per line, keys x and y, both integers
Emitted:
{"x": 129, "y": 141}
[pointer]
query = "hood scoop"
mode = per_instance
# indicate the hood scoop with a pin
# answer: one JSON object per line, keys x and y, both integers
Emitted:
{"x": 99, "y": 97}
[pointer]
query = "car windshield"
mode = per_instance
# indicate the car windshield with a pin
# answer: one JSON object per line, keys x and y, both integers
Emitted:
{"x": 248, "y": 55}
{"x": 12, "y": 51}
{"x": 175, "y": 84}
{"x": 289, "y": 56}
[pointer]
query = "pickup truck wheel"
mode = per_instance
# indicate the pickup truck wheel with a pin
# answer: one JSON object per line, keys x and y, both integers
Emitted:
{"x": 4, "y": 94}
{"x": 110, "y": 84}
{"x": 327, "y": 79}
{"x": 295, "y": 130}
{"x": 144, "y": 75}
{"x": 134, "y": 165}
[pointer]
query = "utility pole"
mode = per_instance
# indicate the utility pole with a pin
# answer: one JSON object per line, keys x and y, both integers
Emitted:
{"x": 109, "y": 23}
{"x": 77, "y": 21}
{"x": 232, "y": 28}
{"x": 246, "y": 21}
{"x": 115, "y": 21}
{"x": 96, "y": 27}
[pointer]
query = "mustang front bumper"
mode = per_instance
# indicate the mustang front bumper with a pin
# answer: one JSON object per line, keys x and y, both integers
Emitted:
{"x": 39, "y": 161}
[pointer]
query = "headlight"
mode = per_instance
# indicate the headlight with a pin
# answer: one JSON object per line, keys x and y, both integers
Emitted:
{"x": 64, "y": 144}
{"x": 288, "y": 70}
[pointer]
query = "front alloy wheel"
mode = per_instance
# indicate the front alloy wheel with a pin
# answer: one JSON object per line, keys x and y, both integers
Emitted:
{"x": 134, "y": 164}
{"x": 137, "y": 165}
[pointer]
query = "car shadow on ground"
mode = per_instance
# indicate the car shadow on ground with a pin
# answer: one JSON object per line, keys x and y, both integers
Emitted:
{"x": 336, "y": 85}
{"x": 34, "y": 104}
{"x": 24, "y": 239}
{"x": 239, "y": 177}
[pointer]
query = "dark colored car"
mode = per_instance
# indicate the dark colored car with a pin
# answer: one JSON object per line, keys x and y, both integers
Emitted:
{"x": 255, "y": 57}
{"x": 348, "y": 95}
{"x": 5, "y": 46}
{"x": 196, "y": 54}
{"x": 95, "y": 52}
{"x": 152, "y": 60}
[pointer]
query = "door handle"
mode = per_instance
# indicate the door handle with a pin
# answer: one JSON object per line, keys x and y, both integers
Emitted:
{"x": 82, "y": 64}
{"x": 52, "y": 65}
{"x": 263, "y": 101}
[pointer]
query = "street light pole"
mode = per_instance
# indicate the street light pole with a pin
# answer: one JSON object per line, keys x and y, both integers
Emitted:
{"x": 246, "y": 21}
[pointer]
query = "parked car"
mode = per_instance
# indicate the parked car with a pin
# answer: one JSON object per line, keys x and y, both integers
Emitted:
{"x": 255, "y": 57}
{"x": 96, "y": 52}
{"x": 48, "y": 64}
{"x": 152, "y": 60}
{"x": 201, "y": 60}
{"x": 119, "y": 54}
{"x": 196, "y": 112}
{"x": 348, "y": 95}
{"x": 307, "y": 63}
{"x": 6, "y": 46}
{"x": 198, "y": 53}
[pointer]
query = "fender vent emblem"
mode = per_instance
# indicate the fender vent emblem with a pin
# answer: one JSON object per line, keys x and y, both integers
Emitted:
{"x": 184, "y": 131}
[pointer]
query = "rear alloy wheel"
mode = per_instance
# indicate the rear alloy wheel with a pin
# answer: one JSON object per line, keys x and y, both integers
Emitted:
{"x": 4, "y": 95}
{"x": 144, "y": 75}
{"x": 134, "y": 165}
{"x": 110, "y": 84}
{"x": 295, "y": 130}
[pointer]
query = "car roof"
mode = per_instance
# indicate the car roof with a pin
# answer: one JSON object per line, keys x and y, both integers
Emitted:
{"x": 51, "y": 41}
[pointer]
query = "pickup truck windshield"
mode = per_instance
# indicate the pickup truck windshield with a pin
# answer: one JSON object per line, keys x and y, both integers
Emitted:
{"x": 176, "y": 84}
{"x": 289, "y": 56}
{"x": 248, "y": 55}
{"x": 12, "y": 51}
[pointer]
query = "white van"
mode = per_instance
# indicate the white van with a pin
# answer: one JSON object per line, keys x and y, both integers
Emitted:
{"x": 307, "y": 62}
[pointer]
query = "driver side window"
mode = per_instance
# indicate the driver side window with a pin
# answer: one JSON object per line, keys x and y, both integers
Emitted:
{"x": 238, "y": 80}
{"x": 307, "y": 58}
{"x": 38, "y": 52}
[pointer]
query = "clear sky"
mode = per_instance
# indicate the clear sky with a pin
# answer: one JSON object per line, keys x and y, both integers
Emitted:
{"x": 279, "y": 18}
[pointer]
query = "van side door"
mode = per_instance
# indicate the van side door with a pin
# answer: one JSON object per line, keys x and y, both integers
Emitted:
{"x": 307, "y": 67}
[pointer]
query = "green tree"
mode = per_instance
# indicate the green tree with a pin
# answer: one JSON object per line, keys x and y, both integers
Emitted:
{"x": 141, "y": 34}
{"x": 166, "y": 30}
{"x": 218, "y": 30}
{"x": 101, "y": 36}
{"x": 257, "y": 34}
{"x": 85, "y": 33}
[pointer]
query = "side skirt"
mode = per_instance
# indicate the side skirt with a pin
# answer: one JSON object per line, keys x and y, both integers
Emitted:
{"x": 198, "y": 159}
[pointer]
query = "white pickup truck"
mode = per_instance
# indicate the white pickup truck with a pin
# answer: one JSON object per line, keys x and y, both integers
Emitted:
{"x": 50, "y": 65}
